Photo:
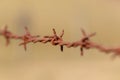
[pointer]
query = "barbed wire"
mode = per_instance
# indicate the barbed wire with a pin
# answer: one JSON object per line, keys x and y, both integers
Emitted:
{"x": 55, "y": 39}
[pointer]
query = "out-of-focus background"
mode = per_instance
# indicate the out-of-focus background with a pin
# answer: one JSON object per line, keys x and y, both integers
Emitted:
{"x": 46, "y": 62}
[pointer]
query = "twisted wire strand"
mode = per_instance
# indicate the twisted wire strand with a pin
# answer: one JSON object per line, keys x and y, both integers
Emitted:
{"x": 83, "y": 43}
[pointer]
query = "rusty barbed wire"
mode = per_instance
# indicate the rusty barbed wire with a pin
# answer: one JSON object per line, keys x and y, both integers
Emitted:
{"x": 55, "y": 39}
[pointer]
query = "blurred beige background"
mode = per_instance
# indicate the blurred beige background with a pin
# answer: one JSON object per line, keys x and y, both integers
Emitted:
{"x": 46, "y": 62}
